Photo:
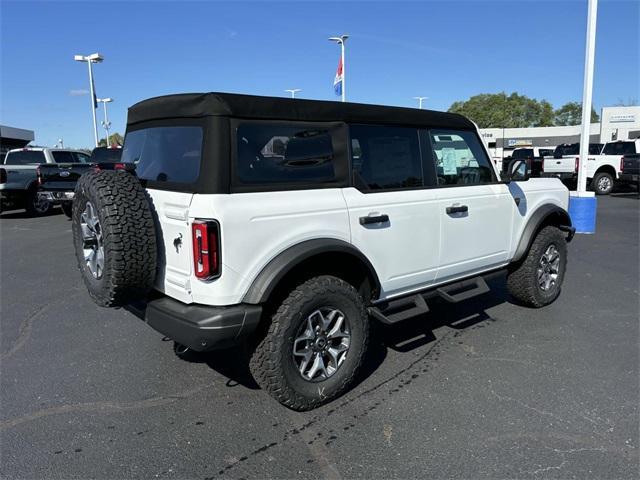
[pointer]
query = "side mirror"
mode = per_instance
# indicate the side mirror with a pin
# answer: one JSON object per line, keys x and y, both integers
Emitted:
{"x": 517, "y": 171}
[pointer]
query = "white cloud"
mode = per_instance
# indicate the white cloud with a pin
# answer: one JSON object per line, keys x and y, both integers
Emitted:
{"x": 78, "y": 93}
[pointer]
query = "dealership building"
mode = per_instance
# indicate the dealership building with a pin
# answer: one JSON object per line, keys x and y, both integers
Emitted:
{"x": 616, "y": 123}
{"x": 11, "y": 137}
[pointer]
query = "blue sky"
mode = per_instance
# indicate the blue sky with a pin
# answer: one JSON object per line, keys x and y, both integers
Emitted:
{"x": 444, "y": 50}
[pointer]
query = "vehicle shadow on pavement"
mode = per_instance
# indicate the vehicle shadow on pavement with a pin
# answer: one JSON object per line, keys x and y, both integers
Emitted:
{"x": 233, "y": 363}
{"x": 17, "y": 214}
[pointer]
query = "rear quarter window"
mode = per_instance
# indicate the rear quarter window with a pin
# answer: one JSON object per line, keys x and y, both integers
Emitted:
{"x": 619, "y": 148}
{"x": 286, "y": 153}
{"x": 165, "y": 154}
{"x": 25, "y": 157}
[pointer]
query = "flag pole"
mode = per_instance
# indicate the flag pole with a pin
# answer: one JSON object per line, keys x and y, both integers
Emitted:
{"x": 344, "y": 69}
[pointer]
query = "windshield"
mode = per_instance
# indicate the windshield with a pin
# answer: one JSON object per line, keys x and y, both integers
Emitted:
{"x": 619, "y": 148}
{"x": 106, "y": 155}
{"x": 522, "y": 153}
{"x": 24, "y": 157}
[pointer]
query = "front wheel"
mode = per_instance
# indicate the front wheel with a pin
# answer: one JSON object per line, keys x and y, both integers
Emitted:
{"x": 602, "y": 183}
{"x": 315, "y": 344}
{"x": 537, "y": 280}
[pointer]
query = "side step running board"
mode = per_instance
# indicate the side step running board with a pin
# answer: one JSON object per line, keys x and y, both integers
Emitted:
{"x": 466, "y": 289}
{"x": 401, "y": 309}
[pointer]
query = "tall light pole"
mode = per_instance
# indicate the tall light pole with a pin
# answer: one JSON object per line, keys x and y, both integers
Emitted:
{"x": 587, "y": 95}
{"x": 420, "y": 99}
{"x": 293, "y": 91}
{"x": 340, "y": 40}
{"x": 91, "y": 59}
{"x": 105, "y": 123}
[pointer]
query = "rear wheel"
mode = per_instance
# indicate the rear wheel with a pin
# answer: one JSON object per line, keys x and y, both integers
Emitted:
{"x": 37, "y": 205}
{"x": 602, "y": 183}
{"x": 537, "y": 280}
{"x": 315, "y": 344}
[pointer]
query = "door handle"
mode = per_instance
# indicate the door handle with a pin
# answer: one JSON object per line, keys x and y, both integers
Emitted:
{"x": 457, "y": 209}
{"x": 558, "y": 163}
{"x": 369, "y": 219}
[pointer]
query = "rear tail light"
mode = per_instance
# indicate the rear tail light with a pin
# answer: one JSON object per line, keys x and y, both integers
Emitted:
{"x": 119, "y": 166}
{"x": 577, "y": 164}
{"x": 622, "y": 164}
{"x": 39, "y": 175}
{"x": 206, "y": 249}
{"x": 3, "y": 175}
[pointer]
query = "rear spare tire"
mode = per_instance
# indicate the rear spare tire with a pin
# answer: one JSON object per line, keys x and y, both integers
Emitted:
{"x": 114, "y": 237}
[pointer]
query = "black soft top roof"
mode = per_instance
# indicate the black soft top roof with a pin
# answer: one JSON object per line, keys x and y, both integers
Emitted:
{"x": 195, "y": 105}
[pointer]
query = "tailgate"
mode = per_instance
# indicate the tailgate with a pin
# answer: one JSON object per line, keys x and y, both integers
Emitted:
{"x": 173, "y": 231}
{"x": 62, "y": 176}
{"x": 631, "y": 165}
{"x": 566, "y": 164}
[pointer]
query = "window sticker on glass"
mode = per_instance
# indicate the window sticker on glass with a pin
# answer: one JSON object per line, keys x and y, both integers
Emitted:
{"x": 449, "y": 161}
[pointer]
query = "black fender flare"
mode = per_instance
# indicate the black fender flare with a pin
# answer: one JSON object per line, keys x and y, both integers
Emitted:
{"x": 537, "y": 219}
{"x": 267, "y": 280}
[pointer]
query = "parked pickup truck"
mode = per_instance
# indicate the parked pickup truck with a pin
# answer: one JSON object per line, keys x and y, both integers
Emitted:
{"x": 58, "y": 181}
{"x": 535, "y": 156}
{"x": 630, "y": 169}
{"x": 19, "y": 180}
{"x": 603, "y": 168}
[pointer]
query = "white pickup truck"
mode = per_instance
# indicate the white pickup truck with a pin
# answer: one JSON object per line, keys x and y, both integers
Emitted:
{"x": 602, "y": 169}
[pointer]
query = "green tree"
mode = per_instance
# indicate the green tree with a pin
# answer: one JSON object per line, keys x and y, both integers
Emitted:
{"x": 114, "y": 138}
{"x": 571, "y": 114}
{"x": 499, "y": 110}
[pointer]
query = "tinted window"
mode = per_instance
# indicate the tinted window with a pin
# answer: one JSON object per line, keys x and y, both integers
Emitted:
{"x": 459, "y": 157}
{"x": 165, "y": 154}
{"x": 546, "y": 152}
{"x": 106, "y": 155}
{"x": 619, "y": 148}
{"x": 24, "y": 157}
{"x": 63, "y": 157}
{"x": 81, "y": 157}
{"x": 385, "y": 157}
{"x": 561, "y": 150}
{"x": 284, "y": 153}
{"x": 595, "y": 148}
{"x": 522, "y": 153}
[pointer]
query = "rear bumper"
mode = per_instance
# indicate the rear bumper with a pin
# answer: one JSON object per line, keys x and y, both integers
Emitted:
{"x": 202, "y": 327}
{"x": 560, "y": 175}
{"x": 57, "y": 196}
{"x": 629, "y": 178}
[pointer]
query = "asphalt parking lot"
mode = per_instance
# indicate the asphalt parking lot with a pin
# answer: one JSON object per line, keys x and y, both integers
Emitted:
{"x": 483, "y": 390}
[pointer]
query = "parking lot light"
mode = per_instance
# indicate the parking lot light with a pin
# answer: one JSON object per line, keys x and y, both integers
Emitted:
{"x": 293, "y": 91}
{"x": 91, "y": 59}
{"x": 420, "y": 99}
{"x": 105, "y": 123}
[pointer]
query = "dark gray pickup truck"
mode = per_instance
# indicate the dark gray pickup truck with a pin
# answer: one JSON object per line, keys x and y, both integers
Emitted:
{"x": 630, "y": 169}
{"x": 58, "y": 181}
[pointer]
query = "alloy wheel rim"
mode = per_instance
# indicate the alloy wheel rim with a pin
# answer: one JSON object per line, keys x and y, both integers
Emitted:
{"x": 321, "y": 344}
{"x": 604, "y": 183}
{"x": 549, "y": 268}
{"x": 40, "y": 204}
{"x": 92, "y": 246}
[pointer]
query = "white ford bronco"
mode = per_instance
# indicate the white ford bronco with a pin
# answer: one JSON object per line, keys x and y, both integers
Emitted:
{"x": 291, "y": 225}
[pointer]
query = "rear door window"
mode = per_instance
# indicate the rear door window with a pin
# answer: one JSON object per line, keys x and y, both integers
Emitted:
{"x": 270, "y": 153}
{"x": 385, "y": 158}
{"x": 459, "y": 158}
{"x": 25, "y": 157}
{"x": 63, "y": 157}
{"x": 165, "y": 154}
{"x": 619, "y": 148}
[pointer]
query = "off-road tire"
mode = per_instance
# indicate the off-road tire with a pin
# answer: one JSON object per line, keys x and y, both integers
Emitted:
{"x": 29, "y": 205}
{"x": 272, "y": 364}
{"x": 522, "y": 280}
{"x": 67, "y": 208}
{"x": 128, "y": 236}
{"x": 596, "y": 180}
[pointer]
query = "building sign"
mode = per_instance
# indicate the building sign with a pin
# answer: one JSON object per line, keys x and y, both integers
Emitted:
{"x": 623, "y": 118}
{"x": 516, "y": 142}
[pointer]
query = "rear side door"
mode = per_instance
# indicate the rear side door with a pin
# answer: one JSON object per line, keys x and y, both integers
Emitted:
{"x": 475, "y": 210}
{"x": 393, "y": 212}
